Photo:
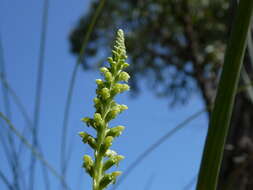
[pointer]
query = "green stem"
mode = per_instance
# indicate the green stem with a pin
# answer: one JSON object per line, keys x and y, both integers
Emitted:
{"x": 221, "y": 115}
{"x": 98, "y": 155}
{"x": 106, "y": 110}
{"x": 98, "y": 159}
{"x": 98, "y": 170}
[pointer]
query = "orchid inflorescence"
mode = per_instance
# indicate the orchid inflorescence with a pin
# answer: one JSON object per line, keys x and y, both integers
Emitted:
{"x": 107, "y": 109}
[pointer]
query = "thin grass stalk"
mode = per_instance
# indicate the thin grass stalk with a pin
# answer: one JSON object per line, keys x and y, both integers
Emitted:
{"x": 13, "y": 157}
{"x": 6, "y": 181}
{"x": 3, "y": 75}
{"x": 29, "y": 125}
{"x": 6, "y": 148}
{"x": 38, "y": 93}
{"x": 17, "y": 101}
{"x": 221, "y": 115}
{"x": 64, "y": 160}
{"x": 34, "y": 150}
{"x": 8, "y": 155}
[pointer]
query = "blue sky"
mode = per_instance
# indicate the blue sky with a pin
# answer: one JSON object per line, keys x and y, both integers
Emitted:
{"x": 171, "y": 166}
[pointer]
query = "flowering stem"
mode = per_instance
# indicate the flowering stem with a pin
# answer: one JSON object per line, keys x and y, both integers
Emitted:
{"x": 106, "y": 110}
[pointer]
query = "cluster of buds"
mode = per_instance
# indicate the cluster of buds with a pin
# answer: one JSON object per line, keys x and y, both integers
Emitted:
{"x": 106, "y": 109}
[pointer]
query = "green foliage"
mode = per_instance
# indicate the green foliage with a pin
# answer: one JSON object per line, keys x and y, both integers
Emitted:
{"x": 106, "y": 110}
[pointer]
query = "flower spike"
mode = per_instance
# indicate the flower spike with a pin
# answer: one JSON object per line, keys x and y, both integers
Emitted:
{"x": 114, "y": 83}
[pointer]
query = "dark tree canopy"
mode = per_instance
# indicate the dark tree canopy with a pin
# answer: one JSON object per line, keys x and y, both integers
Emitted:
{"x": 177, "y": 45}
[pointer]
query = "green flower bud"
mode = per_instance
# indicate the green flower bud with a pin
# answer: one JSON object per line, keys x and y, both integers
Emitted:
{"x": 105, "y": 181}
{"x": 115, "y": 54}
{"x": 122, "y": 107}
{"x": 119, "y": 88}
{"x": 106, "y": 145}
{"x": 88, "y": 164}
{"x": 123, "y": 56}
{"x": 112, "y": 63}
{"x": 105, "y": 93}
{"x": 88, "y": 139}
{"x": 115, "y": 131}
{"x": 115, "y": 175}
{"x": 98, "y": 118}
{"x": 110, "y": 153}
{"x": 92, "y": 142}
{"x": 97, "y": 104}
{"x": 88, "y": 121}
{"x": 108, "y": 76}
{"x": 108, "y": 141}
{"x": 96, "y": 101}
{"x": 113, "y": 104}
{"x": 109, "y": 59}
{"x": 112, "y": 161}
{"x": 100, "y": 83}
{"x": 87, "y": 159}
{"x": 125, "y": 65}
{"x": 103, "y": 70}
{"x": 83, "y": 135}
{"x": 112, "y": 114}
{"x": 116, "y": 89}
{"x": 118, "y": 158}
{"x": 124, "y": 76}
{"x": 109, "y": 178}
{"x": 108, "y": 164}
{"x": 124, "y": 87}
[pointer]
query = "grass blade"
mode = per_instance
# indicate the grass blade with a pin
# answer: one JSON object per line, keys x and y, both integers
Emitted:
{"x": 7, "y": 106}
{"x": 38, "y": 93}
{"x": 221, "y": 115}
{"x": 17, "y": 101}
{"x": 5, "y": 181}
{"x": 64, "y": 160}
{"x": 34, "y": 151}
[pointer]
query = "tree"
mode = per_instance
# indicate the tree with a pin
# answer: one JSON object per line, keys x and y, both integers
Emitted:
{"x": 178, "y": 46}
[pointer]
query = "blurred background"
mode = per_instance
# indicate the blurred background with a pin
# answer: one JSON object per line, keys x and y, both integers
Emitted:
{"x": 50, "y": 52}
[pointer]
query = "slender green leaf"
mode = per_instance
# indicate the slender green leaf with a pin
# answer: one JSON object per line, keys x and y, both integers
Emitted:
{"x": 221, "y": 115}
{"x": 66, "y": 157}
{"x": 33, "y": 149}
